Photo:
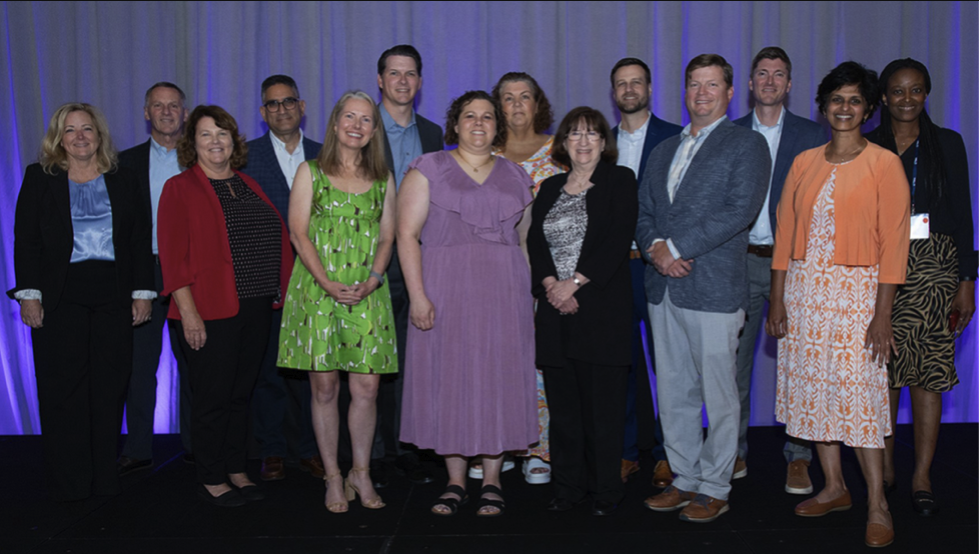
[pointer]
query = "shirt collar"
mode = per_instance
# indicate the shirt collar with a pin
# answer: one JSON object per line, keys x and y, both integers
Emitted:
{"x": 390, "y": 125}
{"x": 757, "y": 125}
{"x": 703, "y": 132}
{"x": 158, "y": 148}
{"x": 279, "y": 145}
{"x": 638, "y": 133}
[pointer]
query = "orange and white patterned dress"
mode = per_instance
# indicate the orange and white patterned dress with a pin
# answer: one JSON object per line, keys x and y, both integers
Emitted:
{"x": 829, "y": 388}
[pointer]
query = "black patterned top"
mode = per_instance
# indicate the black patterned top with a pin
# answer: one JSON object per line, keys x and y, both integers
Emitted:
{"x": 255, "y": 235}
{"x": 564, "y": 229}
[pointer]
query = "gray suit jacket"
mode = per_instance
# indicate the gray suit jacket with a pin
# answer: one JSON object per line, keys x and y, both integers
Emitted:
{"x": 716, "y": 202}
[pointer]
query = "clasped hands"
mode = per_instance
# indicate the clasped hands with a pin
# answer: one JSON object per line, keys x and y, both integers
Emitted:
{"x": 560, "y": 294}
{"x": 350, "y": 295}
{"x": 666, "y": 264}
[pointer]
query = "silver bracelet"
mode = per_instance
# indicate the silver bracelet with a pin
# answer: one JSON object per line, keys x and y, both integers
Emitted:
{"x": 379, "y": 277}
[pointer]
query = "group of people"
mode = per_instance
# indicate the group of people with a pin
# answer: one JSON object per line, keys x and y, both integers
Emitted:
{"x": 533, "y": 269}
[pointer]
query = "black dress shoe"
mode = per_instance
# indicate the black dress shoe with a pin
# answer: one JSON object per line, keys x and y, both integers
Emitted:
{"x": 251, "y": 493}
{"x": 561, "y": 505}
{"x": 409, "y": 466}
{"x": 924, "y": 503}
{"x": 230, "y": 499}
{"x": 379, "y": 474}
{"x": 603, "y": 507}
{"x": 128, "y": 465}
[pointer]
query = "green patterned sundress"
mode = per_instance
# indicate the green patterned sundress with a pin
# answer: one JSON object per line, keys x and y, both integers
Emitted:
{"x": 317, "y": 333}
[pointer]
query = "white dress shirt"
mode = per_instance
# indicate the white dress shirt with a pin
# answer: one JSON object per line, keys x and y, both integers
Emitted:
{"x": 288, "y": 163}
{"x": 761, "y": 231}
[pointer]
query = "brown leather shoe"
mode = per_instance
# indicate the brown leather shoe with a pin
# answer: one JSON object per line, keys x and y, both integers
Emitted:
{"x": 662, "y": 474}
{"x": 797, "y": 478}
{"x": 878, "y": 535}
{"x": 313, "y": 466}
{"x": 272, "y": 469}
{"x": 704, "y": 509}
{"x": 628, "y": 468}
{"x": 813, "y": 508}
{"x": 669, "y": 500}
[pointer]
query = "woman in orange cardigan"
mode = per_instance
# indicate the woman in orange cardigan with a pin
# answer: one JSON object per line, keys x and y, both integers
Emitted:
{"x": 841, "y": 249}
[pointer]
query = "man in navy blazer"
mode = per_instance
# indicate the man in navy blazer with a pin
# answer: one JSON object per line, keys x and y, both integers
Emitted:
{"x": 787, "y": 135}
{"x": 635, "y": 136}
{"x": 273, "y": 160}
{"x": 407, "y": 135}
{"x": 699, "y": 195}
{"x": 154, "y": 162}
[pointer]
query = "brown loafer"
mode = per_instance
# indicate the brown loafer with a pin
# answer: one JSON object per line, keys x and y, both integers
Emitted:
{"x": 662, "y": 474}
{"x": 669, "y": 500}
{"x": 272, "y": 469}
{"x": 628, "y": 468}
{"x": 812, "y": 508}
{"x": 314, "y": 466}
{"x": 878, "y": 535}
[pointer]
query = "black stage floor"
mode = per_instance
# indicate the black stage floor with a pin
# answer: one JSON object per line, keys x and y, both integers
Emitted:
{"x": 160, "y": 513}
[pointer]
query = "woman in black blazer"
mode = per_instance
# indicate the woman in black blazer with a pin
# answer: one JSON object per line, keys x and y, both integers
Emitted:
{"x": 581, "y": 229}
{"x": 84, "y": 271}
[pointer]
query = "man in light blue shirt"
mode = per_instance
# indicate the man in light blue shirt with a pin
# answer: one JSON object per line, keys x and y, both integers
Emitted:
{"x": 154, "y": 161}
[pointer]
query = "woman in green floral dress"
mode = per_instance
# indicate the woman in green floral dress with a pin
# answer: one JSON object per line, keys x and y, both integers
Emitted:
{"x": 337, "y": 314}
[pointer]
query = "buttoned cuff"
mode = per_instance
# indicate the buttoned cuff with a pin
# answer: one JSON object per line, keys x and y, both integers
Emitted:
{"x": 144, "y": 294}
{"x": 28, "y": 294}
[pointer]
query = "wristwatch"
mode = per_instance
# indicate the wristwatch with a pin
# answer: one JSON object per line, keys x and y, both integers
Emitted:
{"x": 576, "y": 281}
{"x": 379, "y": 277}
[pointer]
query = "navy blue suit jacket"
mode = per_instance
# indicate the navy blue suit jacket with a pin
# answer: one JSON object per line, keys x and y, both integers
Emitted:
{"x": 798, "y": 135}
{"x": 655, "y": 133}
{"x": 263, "y": 166}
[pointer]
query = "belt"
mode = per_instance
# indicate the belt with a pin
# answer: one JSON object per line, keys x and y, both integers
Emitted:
{"x": 760, "y": 250}
{"x": 635, "y": 255}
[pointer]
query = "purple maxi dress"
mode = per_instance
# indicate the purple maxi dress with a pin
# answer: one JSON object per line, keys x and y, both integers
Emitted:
{"x": 469, "y": 385}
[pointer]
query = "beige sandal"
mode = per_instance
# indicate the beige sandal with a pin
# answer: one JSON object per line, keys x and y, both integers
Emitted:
{"x": 351, "y": 491}
{"x": 335, "y": 507}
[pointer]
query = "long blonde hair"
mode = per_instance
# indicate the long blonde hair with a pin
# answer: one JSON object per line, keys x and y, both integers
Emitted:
{"x": 372, "y": 165}
{"x": 53, "y": 154}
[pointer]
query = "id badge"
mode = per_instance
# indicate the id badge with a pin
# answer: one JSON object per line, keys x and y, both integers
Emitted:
{"x": 919, "y": 226}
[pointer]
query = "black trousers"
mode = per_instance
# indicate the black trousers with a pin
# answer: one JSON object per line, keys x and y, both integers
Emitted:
{"x": 587, "y": 405}
{"x": 82, "y": 362}
{"x": 222, "y": 376}
{"x": 387, "y": 437}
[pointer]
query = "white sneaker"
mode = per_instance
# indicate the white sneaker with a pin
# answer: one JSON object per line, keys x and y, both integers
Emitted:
{"x": 476, "y": 468}
{"x": 540, "y": 478}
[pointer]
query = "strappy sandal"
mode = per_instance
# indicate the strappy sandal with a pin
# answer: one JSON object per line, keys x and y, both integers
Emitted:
{"x": 335, "y": 507}
{"x": 452, "y": 504}
{"x": 351, "y": 491}
{"x": 486, "y": 502}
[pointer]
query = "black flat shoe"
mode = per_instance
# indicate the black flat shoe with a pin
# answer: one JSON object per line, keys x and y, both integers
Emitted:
{"x": 924, "y": 503}
{"x": 603, "y": 507}
{"x": 251, "y": 493}
{"x": 560, "y": 505}
{"x": 452, "y": 504}
{"x": 128, "y": 465}
{"x": 411, "y": 467}
{"x": 230, "y": 499}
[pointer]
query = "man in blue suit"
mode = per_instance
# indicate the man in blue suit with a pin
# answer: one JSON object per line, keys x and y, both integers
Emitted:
{"x": 407, "y": 135}
{"x": 154, "y": 162}
{"x": 272, "y": 161}
{"x": 699, "y": 195}
{"x": 787, "y": 135}
{"x": 635, "y": 136}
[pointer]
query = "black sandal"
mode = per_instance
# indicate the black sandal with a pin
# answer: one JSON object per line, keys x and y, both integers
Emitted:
{"x": 484, "y": 502}
{"x": 924, "y": 503}
{"x": 452, "y": 504}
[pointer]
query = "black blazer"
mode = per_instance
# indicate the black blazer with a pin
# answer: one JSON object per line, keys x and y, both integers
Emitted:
{"x": 600, "y": 333}
{"x": 263, "y": 166}
{"x": 44, "y": 237}
{"x": 429, "y": 134}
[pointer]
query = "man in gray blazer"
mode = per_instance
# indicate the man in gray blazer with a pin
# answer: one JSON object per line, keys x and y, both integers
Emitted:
{"x": 787, "y": 136}
{"x": 699, "y": 195}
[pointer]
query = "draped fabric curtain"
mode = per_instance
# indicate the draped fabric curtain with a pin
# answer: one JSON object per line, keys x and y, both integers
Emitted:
{"x": 109, "y": 53}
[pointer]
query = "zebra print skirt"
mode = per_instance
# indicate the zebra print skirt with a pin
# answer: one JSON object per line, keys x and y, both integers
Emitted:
{"x": 926, "y": 347}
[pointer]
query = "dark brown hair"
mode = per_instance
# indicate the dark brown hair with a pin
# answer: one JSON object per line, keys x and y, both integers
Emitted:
{"x": 187, "y": 145}
{"x": 593, "y": 120}
{"x": 772, "y": 53}
{"x": 544, "y": 116}
{"x": 455, "y": 110}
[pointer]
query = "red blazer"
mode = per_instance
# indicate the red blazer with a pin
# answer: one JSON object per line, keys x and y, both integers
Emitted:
{"x": 194, "y": 248}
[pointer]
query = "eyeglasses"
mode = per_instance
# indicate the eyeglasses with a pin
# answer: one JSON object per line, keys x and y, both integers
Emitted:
{"x": 287, "y": 103}
{"x": 578, "y": 136}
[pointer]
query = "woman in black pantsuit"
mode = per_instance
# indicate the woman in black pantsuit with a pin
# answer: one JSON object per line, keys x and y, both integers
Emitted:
{"x": 580, "y": 233}
{"x": 84, "y": 271}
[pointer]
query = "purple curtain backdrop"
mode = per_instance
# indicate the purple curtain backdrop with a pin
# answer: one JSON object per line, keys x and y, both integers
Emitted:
{"x": 108, "y": 53}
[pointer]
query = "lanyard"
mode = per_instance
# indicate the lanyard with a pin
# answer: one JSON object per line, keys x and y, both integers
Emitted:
{"x": 914, "y": 174}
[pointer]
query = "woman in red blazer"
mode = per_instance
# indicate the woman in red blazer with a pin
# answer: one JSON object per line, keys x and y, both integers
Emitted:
{"x": 226, "y": 260}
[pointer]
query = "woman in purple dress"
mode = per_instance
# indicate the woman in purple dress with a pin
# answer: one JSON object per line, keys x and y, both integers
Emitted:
{"x": 468, "y": 390}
